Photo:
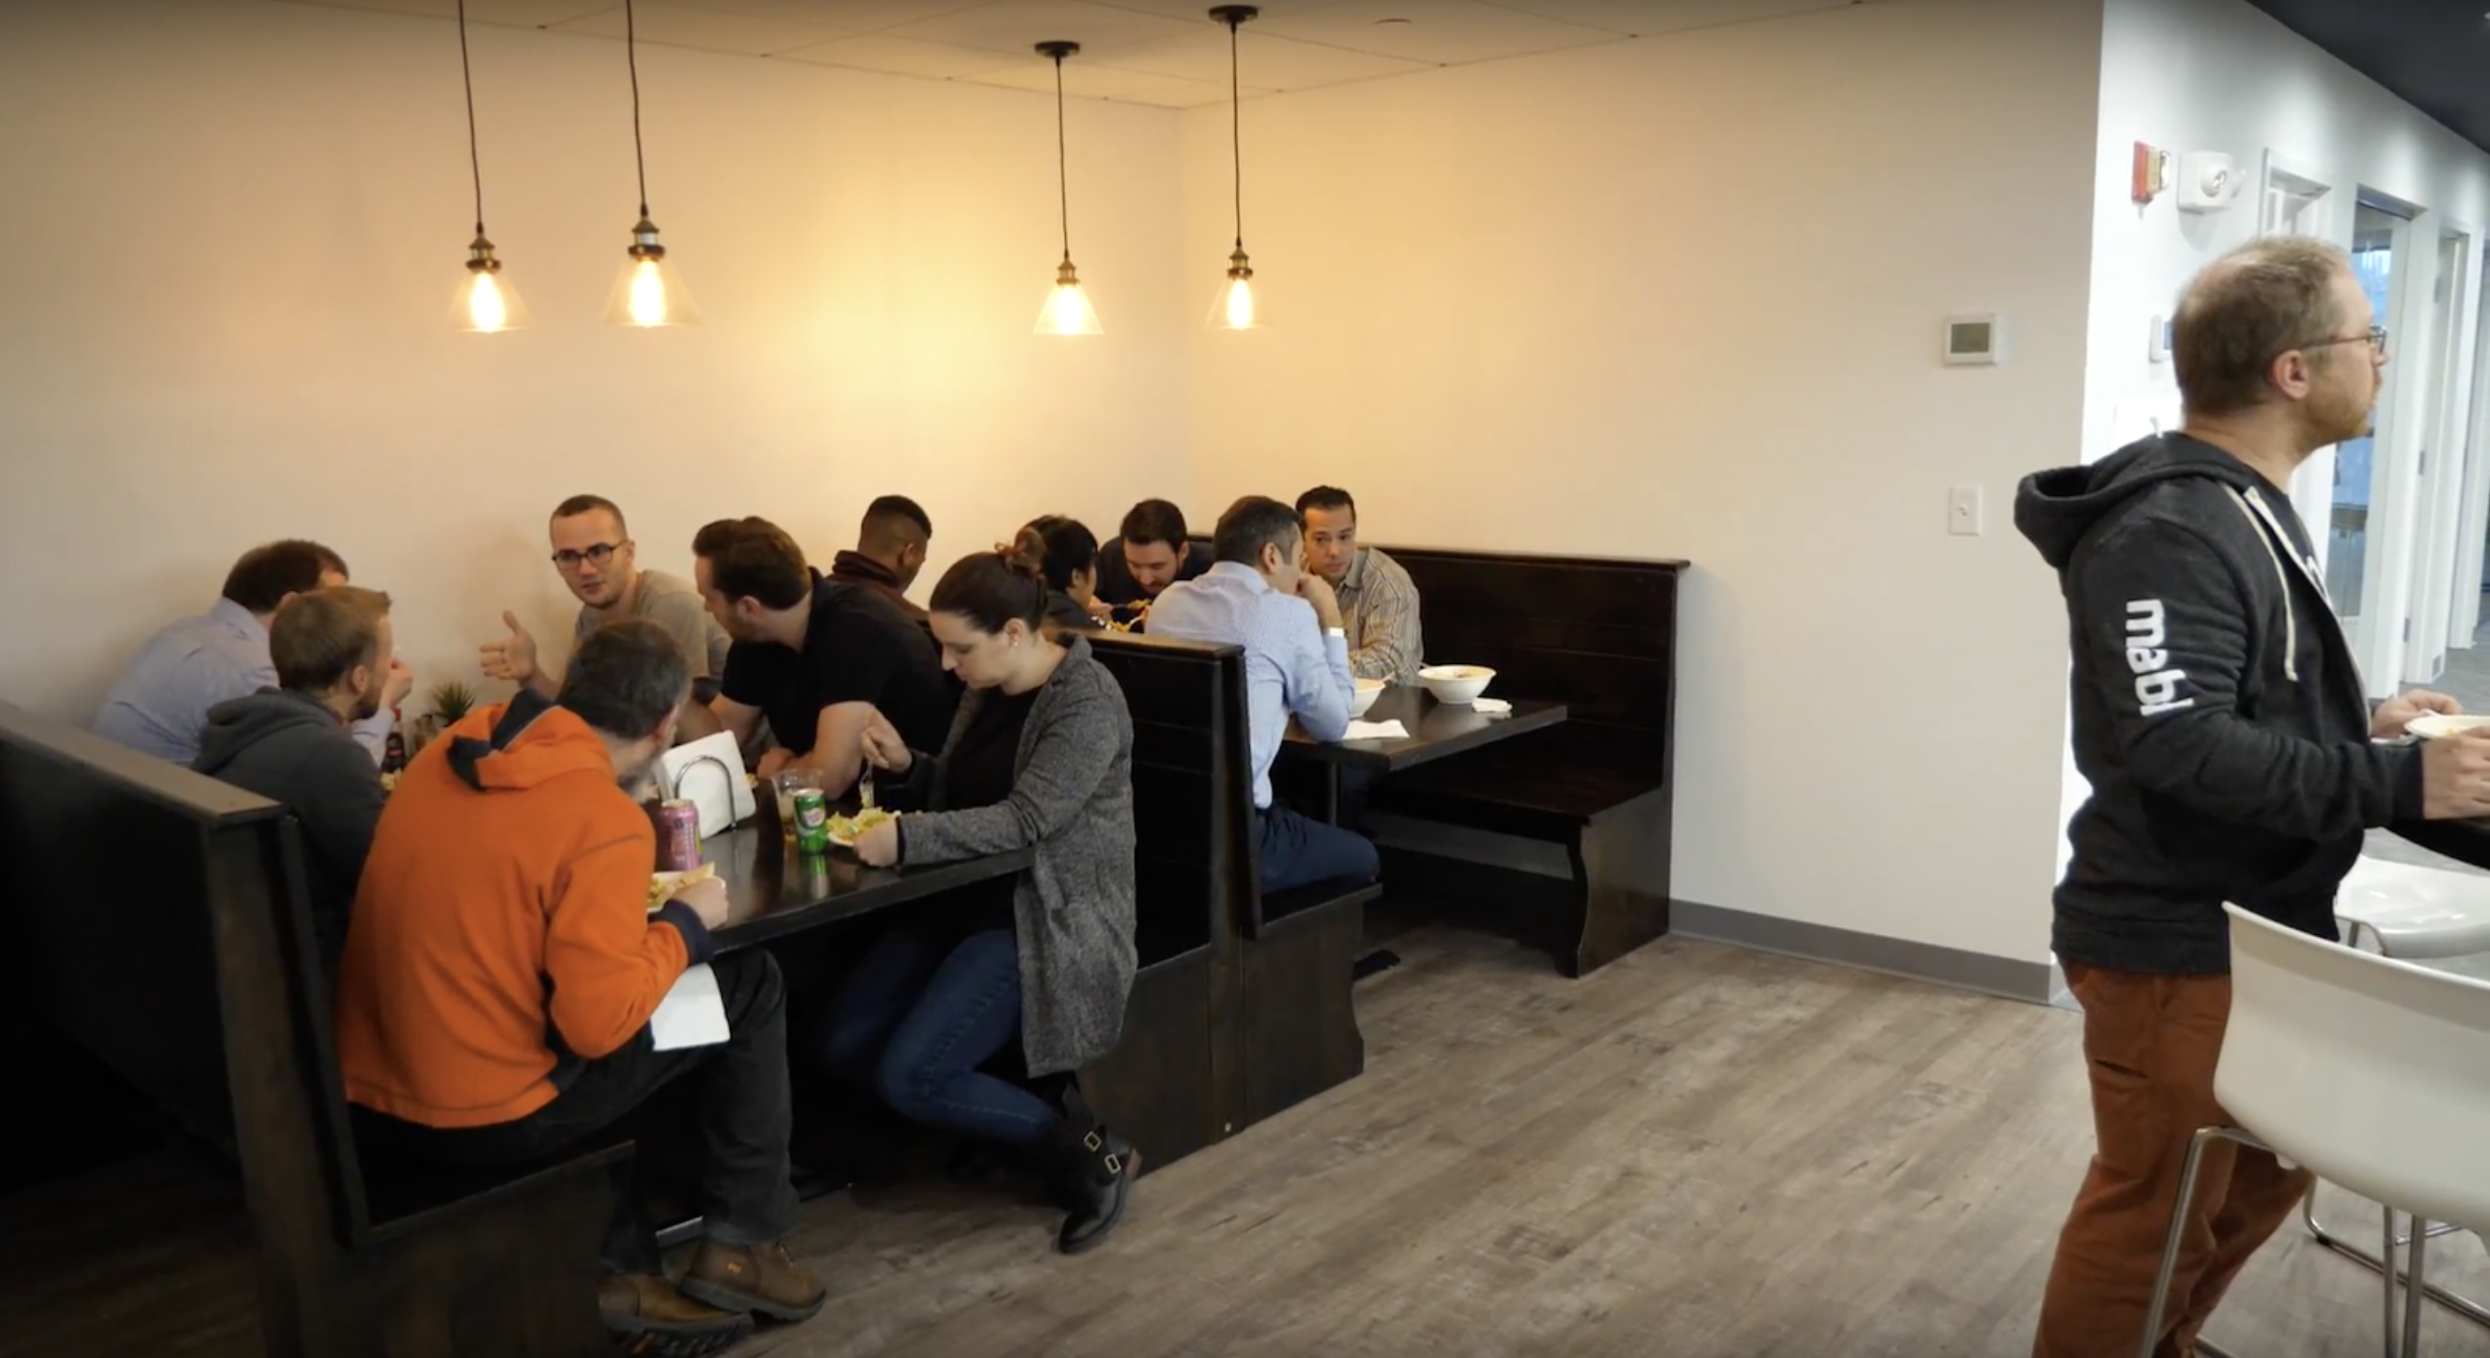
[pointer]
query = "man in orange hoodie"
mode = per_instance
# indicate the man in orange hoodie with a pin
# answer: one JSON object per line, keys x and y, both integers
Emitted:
{"x": 502, "y": 965}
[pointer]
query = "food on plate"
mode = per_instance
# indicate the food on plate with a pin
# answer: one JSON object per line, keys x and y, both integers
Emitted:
{"x": 846, "y": 830}
{"x": 663, "y": 885}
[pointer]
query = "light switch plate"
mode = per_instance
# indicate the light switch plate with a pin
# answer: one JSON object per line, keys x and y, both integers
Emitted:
{"x": 1963, "y": 511}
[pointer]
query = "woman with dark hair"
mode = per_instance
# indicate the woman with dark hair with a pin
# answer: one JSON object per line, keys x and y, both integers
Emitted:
{"x": 1071, "y": 568}
{"x": 1039, "y": 757}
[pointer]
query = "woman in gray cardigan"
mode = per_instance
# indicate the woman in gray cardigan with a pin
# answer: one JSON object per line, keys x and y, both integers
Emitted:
{"x": 1039, "y": 757}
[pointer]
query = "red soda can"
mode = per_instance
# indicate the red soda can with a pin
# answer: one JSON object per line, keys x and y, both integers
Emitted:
{"x": 678, "y": 835}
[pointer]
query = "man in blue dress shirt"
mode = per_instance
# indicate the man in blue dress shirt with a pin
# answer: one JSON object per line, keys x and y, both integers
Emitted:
{"x": 1260, "y": 596}
{"x": 160, "y": 705}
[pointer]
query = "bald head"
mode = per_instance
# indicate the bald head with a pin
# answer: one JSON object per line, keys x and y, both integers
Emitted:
{"x": 2246, "y": 310}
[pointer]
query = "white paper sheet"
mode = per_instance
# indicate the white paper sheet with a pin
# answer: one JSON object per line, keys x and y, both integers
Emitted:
{"x": 693, "y": 1014}
{"x": 1377, "y": 730}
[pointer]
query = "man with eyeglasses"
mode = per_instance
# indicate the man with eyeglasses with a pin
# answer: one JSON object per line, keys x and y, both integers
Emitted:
{"x": 593, "y": 550}
{"x": 2232, "y": 756}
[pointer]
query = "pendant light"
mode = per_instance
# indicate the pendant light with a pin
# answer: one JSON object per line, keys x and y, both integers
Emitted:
{"x": 1067, "y": 310}
{"x": 485, "y": 303}
{"x": 1237, "y": 307}
{"x": 649, "y": 292}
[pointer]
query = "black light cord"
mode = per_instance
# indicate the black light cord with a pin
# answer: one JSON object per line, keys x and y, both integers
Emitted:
{"x": 631, "y": 54}
{"x": 475, "y": 159}
{"x": 1063, "y": 173}
{"x": 1236, "y": 132}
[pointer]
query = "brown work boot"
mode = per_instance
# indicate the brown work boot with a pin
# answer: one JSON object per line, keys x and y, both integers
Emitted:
{"x": 650, "y": 1319}
{"x": 760, "y": 1279}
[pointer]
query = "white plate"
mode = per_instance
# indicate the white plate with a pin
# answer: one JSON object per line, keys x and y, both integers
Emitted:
{"x": 2432, "y": 725}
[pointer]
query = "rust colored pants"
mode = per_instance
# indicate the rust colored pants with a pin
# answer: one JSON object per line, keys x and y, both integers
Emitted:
{"x": 2150, "y": 1043}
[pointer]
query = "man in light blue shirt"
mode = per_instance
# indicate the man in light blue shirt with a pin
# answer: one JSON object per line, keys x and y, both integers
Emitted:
{"x": 1260, "y": 596}
{"x": 159, "y": 706}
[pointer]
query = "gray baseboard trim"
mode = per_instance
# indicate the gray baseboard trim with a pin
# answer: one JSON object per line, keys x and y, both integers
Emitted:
{"x": 2033, "y": 982}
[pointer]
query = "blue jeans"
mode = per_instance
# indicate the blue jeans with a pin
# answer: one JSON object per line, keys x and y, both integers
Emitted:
{"x": 1297, "y": 851}
{"x": 913, "y": 1025}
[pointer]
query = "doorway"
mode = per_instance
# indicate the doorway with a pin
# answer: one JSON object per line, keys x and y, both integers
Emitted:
{"x": 2446, "y": 424}
{"x": 2356, "y": 507}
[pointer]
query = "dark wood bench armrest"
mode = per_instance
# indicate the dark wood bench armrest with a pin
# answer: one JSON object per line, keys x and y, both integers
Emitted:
{"x": 403, "y": 1196}
{"x": 1277, "y": 909}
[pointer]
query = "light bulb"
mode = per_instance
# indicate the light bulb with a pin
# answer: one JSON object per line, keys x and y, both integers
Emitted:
{"x": 1067, "y": 310}
{"x": 486, "y": 303}
{"x": 1235, "y": 307}
{"x": 649, "y": 293}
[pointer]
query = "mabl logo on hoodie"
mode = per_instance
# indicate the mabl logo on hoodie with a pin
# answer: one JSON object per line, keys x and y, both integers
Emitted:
{"x": 2157, "y": 684}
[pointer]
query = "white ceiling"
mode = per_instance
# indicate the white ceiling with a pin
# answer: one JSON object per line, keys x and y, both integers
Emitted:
{"x": 1164, "y": 52}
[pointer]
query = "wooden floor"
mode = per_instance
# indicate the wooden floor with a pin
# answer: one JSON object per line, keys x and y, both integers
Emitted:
{"x": 1698, "y": 1152}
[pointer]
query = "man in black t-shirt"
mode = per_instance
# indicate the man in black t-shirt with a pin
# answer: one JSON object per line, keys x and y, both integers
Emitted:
{"x": 1150, "y": 553}
{"x": 816, "y": 657}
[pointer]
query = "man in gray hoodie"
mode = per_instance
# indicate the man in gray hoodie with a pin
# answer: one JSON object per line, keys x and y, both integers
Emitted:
{"x": 293, "y": 743}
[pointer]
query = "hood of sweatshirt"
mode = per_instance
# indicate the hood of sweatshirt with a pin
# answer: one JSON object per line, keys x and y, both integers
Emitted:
{"x": 526, "y": 742}
{"x": 2055, "y": 508}
{"x": 237, "y": 724}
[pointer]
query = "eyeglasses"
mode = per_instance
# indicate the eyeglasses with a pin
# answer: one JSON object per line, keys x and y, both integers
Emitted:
{"x": 598, "y": 555}
{"x": 2376, "y": 338}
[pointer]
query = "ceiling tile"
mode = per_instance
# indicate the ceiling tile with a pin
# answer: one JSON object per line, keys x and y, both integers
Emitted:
{"x": 1017, "y": 26}
{"x": 1448, "y": 32}
{"x": 1266, "y": 62}
{"x": 1199, "y": 10}
{"x": 1106, "y": 82}
{"x": 705, "y": 29}
{"x": 1648, "y": 18}
{"x": 499, "y": 13}
{"x": 855, "y": 16}
{"x": 899, "y": 56}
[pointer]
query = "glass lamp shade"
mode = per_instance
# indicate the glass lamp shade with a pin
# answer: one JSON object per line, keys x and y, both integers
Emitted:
{"x": 1067, "y": 310}
{"x": 486, "y": 302}
{"x": 649, "y": 292}
{"x": 1239, "y": 304}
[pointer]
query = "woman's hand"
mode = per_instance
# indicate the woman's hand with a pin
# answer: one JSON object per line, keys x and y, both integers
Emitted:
{"x": 883, "y": 747}
{"x": 879, "y": 846}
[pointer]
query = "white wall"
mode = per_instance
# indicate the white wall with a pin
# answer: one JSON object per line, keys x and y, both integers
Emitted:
{"x": 237, "y": 229}
{"x": 2219, "y": 75}
{"x": 1682, "y": 297}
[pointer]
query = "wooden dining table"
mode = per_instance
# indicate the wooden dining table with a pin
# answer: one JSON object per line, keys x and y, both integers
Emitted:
{"x": 1436, "y": 730}
{"x": 773, "y": 890}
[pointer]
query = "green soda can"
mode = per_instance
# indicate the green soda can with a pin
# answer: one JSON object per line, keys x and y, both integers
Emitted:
{"x": 812, "y": 820}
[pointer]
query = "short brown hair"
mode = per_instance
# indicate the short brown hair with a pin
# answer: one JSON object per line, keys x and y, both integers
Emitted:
{"x": 264, "y": 575}
{"x": 318, "y": 638}
{"x": 2247, "y": 309}
{"x": 755, "y": 559}
{"x": 590, "y": 504}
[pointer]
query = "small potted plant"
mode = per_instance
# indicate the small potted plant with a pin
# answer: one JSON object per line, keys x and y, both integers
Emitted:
{"x": 450, "y": 700}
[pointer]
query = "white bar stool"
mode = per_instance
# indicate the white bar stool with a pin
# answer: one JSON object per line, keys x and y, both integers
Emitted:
{"x": 2413, "y": 913}
{"x": 2368, "y": 1071}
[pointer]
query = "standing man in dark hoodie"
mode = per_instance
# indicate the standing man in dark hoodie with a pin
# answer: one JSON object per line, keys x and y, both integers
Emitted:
{"x": 293, "y": 743}
{"x": 2220, "y": 718}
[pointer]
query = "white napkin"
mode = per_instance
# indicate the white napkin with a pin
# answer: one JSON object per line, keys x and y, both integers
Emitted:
{"x": 693, "y": 1014}
{"x": 1491, "y": 707}
{"x": 1377, "y": 730}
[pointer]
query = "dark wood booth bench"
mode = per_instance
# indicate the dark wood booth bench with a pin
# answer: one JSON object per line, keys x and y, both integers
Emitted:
{"x": 1255, "y": 989}
{"x": 1599, "y": 636}
{"x": 158, "y": 919}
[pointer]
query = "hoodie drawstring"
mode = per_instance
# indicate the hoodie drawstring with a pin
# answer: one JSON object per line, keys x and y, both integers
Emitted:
{"x": 2291, "y": 616}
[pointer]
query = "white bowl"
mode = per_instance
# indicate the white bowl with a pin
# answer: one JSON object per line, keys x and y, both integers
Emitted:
{"x": 1456, "y": 685}
{"x": 1363, "y": 696}
{"x": 2433, "y": 725}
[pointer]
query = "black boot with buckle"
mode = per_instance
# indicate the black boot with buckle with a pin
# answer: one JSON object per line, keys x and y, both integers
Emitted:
{"x": 1093, "y": 1179}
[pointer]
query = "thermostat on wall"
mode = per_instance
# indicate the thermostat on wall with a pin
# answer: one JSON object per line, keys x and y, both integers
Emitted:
{"x": 2160, "y": 341}
{"x": 1975, "y": 339}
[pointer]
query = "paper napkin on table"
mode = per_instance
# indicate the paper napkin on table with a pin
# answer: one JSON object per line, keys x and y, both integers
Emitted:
{"x": 1491, "y": 707}
{"x": 1377, "y": 730}
{"x": 693, "y": 1014}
